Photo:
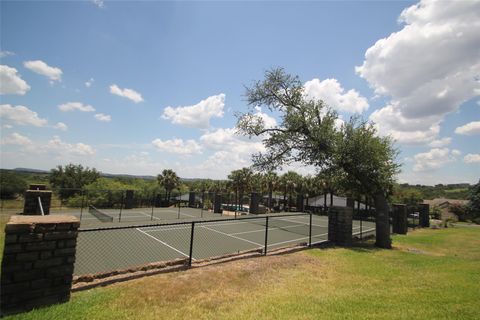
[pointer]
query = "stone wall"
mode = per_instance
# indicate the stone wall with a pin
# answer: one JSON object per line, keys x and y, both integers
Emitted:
{"x": 340, "y": 225}
{"x": 31, "y": 205}
{"x": 38, "y": 259}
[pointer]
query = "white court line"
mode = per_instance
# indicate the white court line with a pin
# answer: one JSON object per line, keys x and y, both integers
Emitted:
{"x": 187, "y": 226}
{"x": 150, "y": 216}
{"x": 166, "y": 244}
{"x": 275, "y": 228}
{"x": 319, "y": 235}
{"x": 363, "y": 231}
{"x": 289, "y": 220}
{"x": 226, "y": 234}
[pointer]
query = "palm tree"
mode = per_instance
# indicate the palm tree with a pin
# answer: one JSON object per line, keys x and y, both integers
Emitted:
{"x": 289, "y": 182}
{"x": 169, "y": 180}
{"x": 240, "y": 181}
{"x": 270, "y": 180}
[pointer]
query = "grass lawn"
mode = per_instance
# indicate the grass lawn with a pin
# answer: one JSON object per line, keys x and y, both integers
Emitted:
{"x": 430, "y": 274}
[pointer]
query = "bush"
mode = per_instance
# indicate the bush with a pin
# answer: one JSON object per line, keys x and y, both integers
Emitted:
{"x": 11, "y": 185}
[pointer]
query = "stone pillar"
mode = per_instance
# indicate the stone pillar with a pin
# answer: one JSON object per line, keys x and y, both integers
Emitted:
{"x": 128, "y": 199}
{"x": 217, "y": 204}
{"x": 424, "y": 215}
{"x": 254, "y": 202}
{"x": 191, "y": 199}
{"x": 38, "y": 259}
{"x": 31, "y": 206}
{"x": 300, "y": 207}
{"x": 340, "y": 225}
{"x": 400, "y": 222}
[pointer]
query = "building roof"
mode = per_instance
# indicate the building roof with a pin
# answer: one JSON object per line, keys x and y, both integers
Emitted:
{"x": 443, "y": 202}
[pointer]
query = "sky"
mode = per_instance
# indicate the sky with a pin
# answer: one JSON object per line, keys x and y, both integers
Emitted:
{"x": 138, "y": 87}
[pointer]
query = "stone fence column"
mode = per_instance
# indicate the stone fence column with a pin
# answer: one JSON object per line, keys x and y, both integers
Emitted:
{"x": 300, "y": 206}
{"x": 400, "y": 222}
{"x": 191, "y": 199}
{"x": 217, "y": 203}
{"x": 31, "y": 205}
{"x": 38, "y": 260}
{"x": 340, "y": 225}
{"x": 424, "y": 215}
{"x": 254, "y": 202}
{"x": 128, "y": 199}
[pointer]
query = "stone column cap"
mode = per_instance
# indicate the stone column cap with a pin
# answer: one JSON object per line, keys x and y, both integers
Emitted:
{"x": 48, "y": 219}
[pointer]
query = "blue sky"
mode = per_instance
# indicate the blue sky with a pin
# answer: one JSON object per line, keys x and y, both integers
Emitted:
{"x": 136, "y": 87}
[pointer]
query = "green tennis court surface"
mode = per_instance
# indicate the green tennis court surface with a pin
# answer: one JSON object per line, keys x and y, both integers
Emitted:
{"x": 121, "y": 248}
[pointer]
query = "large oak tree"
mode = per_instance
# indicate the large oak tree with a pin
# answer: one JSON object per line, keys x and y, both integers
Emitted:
{"x": 310, "y": 132}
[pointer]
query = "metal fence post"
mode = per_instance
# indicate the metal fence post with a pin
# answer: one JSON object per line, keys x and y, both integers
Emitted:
{"x": 83, "y": 202}
{"x": 191, "y": 245}
{"x": 179, "y": 204}
{"x": 266, "y": 235}
{"x": 121, "y": 206}
{"x": 310, "y": 231}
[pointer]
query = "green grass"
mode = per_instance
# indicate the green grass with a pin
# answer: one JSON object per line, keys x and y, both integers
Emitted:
{"x": 430, "y": 274}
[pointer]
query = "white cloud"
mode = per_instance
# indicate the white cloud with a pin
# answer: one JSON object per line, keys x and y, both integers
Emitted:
{"x": 198, "y": 115}
{"x": 227, "y": 139}
{"x": 439, "y": 143}
{"x": 21, "y": 115}
{"x": 10, "y": 81}
{"x": 16, "y": 139}
{"x": 7, "y": 126}
{"x": 71, "y": 106}
{"x": 428, "y": 68}
{"x": 390, "y": 121}
{"x": 99, "y": 3}
{"x": 469, "y": 129}
{"x": 40, "y": 67}
{"x": 89, "y": 82}
{"x": 472, "y": 158}
{"x": 178, "y": 146}
{"x": 79, "y": 149}
{"x": 334, "y": 95}
{"x": 61, "y": 126}
{"x": 434, "y": 159}
{"x": 103, "y": 117}
{"x": 5, "y": 53}
{"x": 126, "y": 93}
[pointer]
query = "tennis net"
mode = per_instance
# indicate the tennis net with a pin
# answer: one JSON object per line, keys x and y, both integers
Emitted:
{"x": 99, "y": 214}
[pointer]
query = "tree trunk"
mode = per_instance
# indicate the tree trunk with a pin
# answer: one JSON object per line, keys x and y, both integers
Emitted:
{"x": 331, "y": 198}
{"x": 382, "y": 221}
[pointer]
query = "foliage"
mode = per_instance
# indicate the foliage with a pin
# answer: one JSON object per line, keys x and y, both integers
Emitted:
{"x": 409, "y": 196}
{"x": 69, "y": 180}
{"x": 460, "y": 211}
{"x": 474, "y": 201}
{"x": 169, "y": 180}
{"x": 11, "y": 185}
{"x": 309, "y": 133}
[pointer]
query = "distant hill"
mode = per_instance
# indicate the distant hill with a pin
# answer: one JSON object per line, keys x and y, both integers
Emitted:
{"x": 106, "y": 175}
{"x": 29, "y": 170}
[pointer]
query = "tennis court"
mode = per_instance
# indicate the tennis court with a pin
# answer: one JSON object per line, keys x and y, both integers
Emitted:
{"x": 109, "y": 249}
{"x": 122, "y": 216}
